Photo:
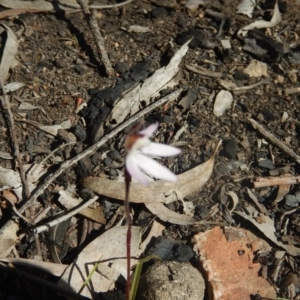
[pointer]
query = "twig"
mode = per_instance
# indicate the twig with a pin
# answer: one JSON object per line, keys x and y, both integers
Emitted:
{"x": 290, "y": 91}
{"x": 65, "y": 217}
{"x": 95, "y": 6}
{"x": 251, "y": 86}
{"x": 92, "y": 17}
{"x": 204, "y": 72}
{"x": 271, "y": 181}
{"x": 260, "y": 207}
{"x": 92, "y": 149}
{"x": 274, "y": 140}
{"x": 6, "y": 106}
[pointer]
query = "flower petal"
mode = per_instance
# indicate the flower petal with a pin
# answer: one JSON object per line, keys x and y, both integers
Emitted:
{"x": 160, "y": 150}
{"x": 153, "y": 168}
{"x": 149, "y": 130}
{"x": 134, "y": 170}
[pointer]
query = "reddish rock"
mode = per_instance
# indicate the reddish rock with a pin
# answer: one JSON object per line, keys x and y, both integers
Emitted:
{"x": 226, "y": 256}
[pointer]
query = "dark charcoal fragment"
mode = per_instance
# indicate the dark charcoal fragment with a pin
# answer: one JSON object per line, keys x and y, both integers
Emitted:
{"x": 291, "y": 200}
{"x": 79, "y": 69}
{"x": 230, "y": 149}
{"x": 268, "y": 115}
{"x": 44, "y": 64}
{"x": 114, "y": 155}
{"x": 162, "y": 248}
{"x": 121, "y": 67}
{"x": 102, "y": 101}
{"x": 189, "y": 98}
{"x": 199, "y": 38}
{"x": 240, "y": 75}
{"x": 80, "y": 133}
{"x": 158, "y": 12}
{"x": 266, "y": 164}
{"x": 182, "y": 253}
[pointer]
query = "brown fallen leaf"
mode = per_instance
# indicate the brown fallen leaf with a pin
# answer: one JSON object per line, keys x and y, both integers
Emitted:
{"x": 267, "y": 228}
{"x": 50, "y": 268}
{"x": 158, "y": 191}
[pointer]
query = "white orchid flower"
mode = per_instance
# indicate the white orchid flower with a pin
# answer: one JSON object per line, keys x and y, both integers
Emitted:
{"x": 138, "y": 146}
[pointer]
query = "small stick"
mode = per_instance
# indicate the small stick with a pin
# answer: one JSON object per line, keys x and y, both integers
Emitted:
{"x": 6, "y": 106}
{"x": 260, "y": 207}
{"x": 271, "y": 181}
{"x": 63, "y": 218}
{"x": 204, "y": 72}
{"x": 92, "y": 17}
{"x": 95, "y": 6}
{"x": 290, "y": 91}
{"x": 274, "y": 140}
{"x": 249, "y": 87}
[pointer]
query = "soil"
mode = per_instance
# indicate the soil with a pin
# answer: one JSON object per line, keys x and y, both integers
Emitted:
{"x": 59, "y": 64}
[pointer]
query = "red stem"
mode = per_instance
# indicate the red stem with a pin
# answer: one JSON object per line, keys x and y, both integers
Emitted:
{"x": 128, "y": 237}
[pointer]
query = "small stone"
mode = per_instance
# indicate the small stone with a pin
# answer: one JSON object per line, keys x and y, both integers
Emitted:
{"x": 79, "y": 69}
{"x": 171, "y": 280}
{"x": 80, "y": 133}
{"x": 230, "y": 149}
{"x": 266, "y": 163}
{"x": 240, "y": 75}
{"x": 158, "y": 12}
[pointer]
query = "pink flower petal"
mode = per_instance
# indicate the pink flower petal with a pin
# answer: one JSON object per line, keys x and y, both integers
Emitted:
{"x": 149, "y": 130}
{"x": 153, "y": 168}
{"x": 132, "y": 167}
{"x": 160, "y": 150}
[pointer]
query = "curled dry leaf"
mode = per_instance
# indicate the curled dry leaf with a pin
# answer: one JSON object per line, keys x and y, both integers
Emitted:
{"x": 246, "y": 7}
{"x": 12, "y": 179}
{"x": 110, "y": 249}
{"x": 159, "y": 191}
{"x": 276, "y": 18}
{"x": 9, "y": 52}
{"x": 68, "y": 200}
{"x": 267, "y": 228}
{"x": 53, "y": 129}
{"x": 161, "y": 79}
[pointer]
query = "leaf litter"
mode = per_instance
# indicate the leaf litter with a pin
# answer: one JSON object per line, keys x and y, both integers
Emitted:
{"x": 161, "y": 196}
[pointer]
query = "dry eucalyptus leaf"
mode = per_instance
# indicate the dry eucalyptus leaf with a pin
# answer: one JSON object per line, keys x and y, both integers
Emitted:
{"x": 12, "y": 179}
{"x": 68, "y": 200}
{"x": 167, "y": 215}
{"x": 9, "y": 52}
{"x": 28, "y": 6}
{"x": 110, "y": 249}
{"x": 223, "y": 101}
{"x": 50, "y": 268}
{"x": 158, "y": 191}
{"x": 52, "y": 129}
{"x": 13, "y": 86}
{"x": 161, "y": 79}
{"x": 276, "y": 18}
{"x": 267, "y": 228}
{"x": 28, "y": 106}
{"x": 246, "y": 7}
{"x": 6, "y": 245}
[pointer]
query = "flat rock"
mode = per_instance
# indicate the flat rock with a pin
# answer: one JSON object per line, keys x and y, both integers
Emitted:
{"x": 227, "y": 256}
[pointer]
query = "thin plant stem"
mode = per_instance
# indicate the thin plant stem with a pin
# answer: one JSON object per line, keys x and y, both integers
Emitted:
{"x": 128, "y": 236}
